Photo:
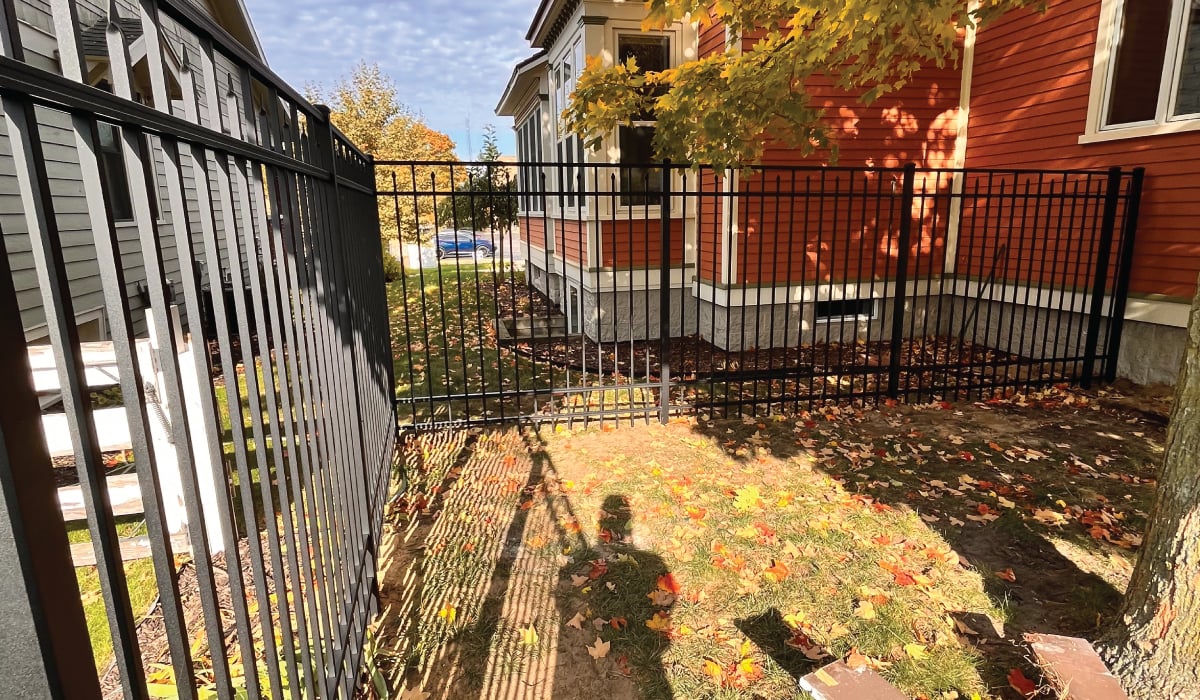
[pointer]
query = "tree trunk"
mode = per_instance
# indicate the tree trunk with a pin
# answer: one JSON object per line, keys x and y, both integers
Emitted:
{"x": 1155, "y": 646}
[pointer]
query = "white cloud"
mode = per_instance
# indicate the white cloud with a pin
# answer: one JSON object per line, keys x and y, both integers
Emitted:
{"x": 450, "y": 58}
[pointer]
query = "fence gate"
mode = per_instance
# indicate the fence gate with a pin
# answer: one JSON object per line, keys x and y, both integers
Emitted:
{"x": 171, "y": 170}
{"x": 580, "y": 290}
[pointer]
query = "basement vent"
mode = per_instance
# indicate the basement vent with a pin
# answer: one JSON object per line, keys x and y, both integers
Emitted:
{"x": 845, "y": 310}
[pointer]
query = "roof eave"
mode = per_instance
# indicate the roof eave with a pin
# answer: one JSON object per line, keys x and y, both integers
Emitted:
{"x": 522, "y": 72}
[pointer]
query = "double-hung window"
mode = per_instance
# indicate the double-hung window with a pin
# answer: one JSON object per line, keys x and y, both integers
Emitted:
{"x": 1152, "y": 73}
{"x": 641, "y": 182}
{"x": 569, "y": 146}
{"x": 529, "y": 151}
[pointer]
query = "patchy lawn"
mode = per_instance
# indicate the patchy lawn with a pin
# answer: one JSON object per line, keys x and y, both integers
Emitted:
{"x": 724, "y": 559}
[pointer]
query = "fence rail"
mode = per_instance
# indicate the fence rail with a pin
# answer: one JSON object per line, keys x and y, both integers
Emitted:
{"x": 641, "y": 290}
{"x": 159, "y": 169}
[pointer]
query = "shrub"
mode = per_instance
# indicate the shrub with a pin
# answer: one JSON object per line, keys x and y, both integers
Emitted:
{"x": 391, "y": 268}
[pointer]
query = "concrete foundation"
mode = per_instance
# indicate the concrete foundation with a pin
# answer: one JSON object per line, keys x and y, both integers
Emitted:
{"x": 1149, "y": 354}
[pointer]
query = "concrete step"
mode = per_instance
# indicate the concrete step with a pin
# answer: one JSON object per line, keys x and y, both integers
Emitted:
{"x": 84, "y": 554}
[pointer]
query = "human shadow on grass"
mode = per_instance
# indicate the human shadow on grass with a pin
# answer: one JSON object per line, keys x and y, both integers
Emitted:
{"x": 618, "y": 592}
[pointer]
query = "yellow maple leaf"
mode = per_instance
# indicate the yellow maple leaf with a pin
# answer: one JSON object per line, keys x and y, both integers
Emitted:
{"x": 529, "y": 636}
{"x": 448, "y": 613}
{"x": 747, "y": 498}
{"x": 661, "y": 622}
{"x": 916, "y": 651}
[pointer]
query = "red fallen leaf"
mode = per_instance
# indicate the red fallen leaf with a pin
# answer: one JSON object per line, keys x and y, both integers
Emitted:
{"x": 764, "y": 530}
{"x": 607, "y": 536}
{"x": 946, "y": 405}
{"x": 667, "y": 583}
{"x": 696, "y": 513}
{"x": 966, "y": 456}
{"x": 599, "y": 568}
{"x": 986, "y": 485}
{"x": 1021, "y": 684}
{"x": 778, "y": 571}
{"x": 1007, "y": 575}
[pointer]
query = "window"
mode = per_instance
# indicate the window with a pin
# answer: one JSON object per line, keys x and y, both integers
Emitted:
{"x": 845, "y": 310}
{"x": 640, "y": 183}
{"x": 569, "y": 147}
{"x": 116, "y": 179}
{"x": 529, "y": 150}
{"x": 1153, "y": 74}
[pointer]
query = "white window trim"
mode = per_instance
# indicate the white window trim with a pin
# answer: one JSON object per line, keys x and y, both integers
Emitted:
{"x": 616, "y": 30}
{"x": 1094, "y": 129}
{"x": 568, "y": 49}
{"x": 530, "y": 111}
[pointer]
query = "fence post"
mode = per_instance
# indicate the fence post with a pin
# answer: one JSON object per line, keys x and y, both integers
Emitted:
{"x": 901, "y": 293}
{"x": 42, "y": 626}
{"x": 1108, "y": 225}
{"x": 664, "y": 298}
{"x": 1125, "y": 268}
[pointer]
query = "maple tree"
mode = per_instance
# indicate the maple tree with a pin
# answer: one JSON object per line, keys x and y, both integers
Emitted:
{"x": 366, "y": 107}
{"x": 719, "y": 108}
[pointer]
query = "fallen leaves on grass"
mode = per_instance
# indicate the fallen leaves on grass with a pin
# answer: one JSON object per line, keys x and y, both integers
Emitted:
{"x": 599, "y": 650}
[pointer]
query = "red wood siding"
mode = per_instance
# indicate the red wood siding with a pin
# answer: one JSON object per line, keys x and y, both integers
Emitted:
{"x": 709, "y": 224}
{"x": 570, "y": 239}
{"x": 851, "y": 233}
{"x": 711, "y": 39}
{"x": 1029, "y": 100}
{"x": 533, "y": 230}
{"x": 638, "y": 243}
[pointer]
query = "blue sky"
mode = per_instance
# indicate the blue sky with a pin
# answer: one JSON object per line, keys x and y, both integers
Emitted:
{"x": 450, "y": 58}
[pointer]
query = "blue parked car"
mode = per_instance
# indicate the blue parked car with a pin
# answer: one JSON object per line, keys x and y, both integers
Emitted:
{"x": 463, "y": 244}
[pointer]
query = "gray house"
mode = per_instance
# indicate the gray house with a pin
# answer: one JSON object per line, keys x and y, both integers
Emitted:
{"x": 38, "y": 39}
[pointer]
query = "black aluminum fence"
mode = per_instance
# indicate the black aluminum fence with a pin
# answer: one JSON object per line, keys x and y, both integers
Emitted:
{"x": 586, "y": 290}
{"x": 187, "y": 168}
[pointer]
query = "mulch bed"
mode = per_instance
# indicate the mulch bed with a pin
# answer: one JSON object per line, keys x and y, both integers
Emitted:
{"x": 152, "y": 634}
{"x": 924, "y": 361}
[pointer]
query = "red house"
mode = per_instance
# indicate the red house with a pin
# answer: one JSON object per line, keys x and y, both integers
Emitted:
{"x": 1067, "y": 90}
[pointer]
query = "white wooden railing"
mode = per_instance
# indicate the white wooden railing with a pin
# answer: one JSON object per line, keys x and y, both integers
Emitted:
{"x": 112, "y": 429}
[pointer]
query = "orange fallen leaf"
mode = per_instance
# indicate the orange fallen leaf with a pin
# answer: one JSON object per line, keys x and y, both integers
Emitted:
{"x": 668, "y": 583}
{"x": 855, "y": 660}
{"x": 1007, "y": 575}
{"x": 778, "y": 571}
{"x": 713, "y": 670}
{"x": 696, "y": 513}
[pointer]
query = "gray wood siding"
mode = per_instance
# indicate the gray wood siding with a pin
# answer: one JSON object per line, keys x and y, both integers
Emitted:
{"x": 66, "y": 184}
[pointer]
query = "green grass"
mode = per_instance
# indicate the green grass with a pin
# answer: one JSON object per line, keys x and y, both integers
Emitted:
{"x": 778, "y": 533}
{"x": 444, "y": 343}
{"x": 139, "y": 577}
